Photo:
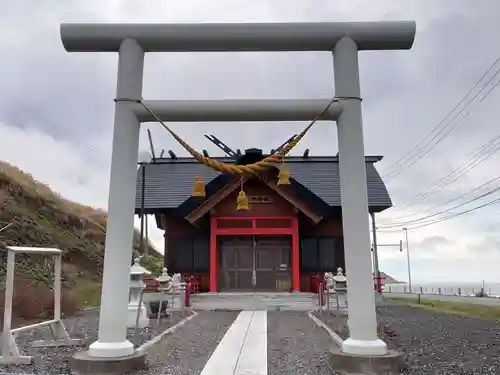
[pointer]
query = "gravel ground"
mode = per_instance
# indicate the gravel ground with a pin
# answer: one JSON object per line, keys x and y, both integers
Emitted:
{"x": 187, "y": 350}
{"x": 435, "y": 343}
{"x": 52, "y": 361}
{"x": 295, "y": 345}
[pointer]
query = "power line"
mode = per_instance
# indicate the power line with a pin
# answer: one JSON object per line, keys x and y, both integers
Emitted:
{"x": 396, "y": 165}
{"x": 490, "y": 203}
{"x": 481, "y": 154}
{"x": 401, "y": 224}
{"x": 454, "y": 199}
{"x": 446, "y": 117}
{"x": 448, "y": 128}
{"x": 465, "y": 167}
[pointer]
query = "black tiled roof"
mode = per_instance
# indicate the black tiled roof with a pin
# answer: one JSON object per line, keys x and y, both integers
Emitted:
{"x": 169, "y": 182}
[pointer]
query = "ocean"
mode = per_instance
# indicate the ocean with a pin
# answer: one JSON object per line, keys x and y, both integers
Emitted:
{"x": 452, "y": 288}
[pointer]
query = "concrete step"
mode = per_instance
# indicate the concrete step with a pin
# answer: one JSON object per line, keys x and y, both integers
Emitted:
{"x": 254, "y": 301}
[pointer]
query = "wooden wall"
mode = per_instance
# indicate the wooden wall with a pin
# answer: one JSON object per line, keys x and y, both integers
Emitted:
{"x": 178, "y": 230}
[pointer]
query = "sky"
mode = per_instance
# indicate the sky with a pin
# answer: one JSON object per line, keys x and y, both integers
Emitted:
{"x": 56, "y": 108}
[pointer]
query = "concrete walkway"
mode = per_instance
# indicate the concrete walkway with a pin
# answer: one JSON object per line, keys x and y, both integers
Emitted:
{"x": 243, "y": 350}
{"x": 272, "y": 343}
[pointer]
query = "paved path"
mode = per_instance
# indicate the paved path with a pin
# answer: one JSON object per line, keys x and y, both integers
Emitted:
{"x": 243, "y": 350}
{"x": 187, "y": 350}
{"x": 271, "y": 343}
{"x": 486, "y": 301}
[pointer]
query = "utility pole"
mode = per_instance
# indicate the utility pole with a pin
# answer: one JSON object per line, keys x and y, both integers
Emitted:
{"x": 375, "y": 247}
{"x": 408, "y": 258}
{"x": 375, "y": 253}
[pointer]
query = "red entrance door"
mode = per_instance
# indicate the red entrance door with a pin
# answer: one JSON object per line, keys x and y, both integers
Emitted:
{"x": 254, "y": 253}
{"x": 254, "y": 263}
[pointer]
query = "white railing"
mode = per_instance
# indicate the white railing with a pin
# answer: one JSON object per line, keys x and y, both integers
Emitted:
{"x": 444, "y": 290}
{"x": 9, "y": 351}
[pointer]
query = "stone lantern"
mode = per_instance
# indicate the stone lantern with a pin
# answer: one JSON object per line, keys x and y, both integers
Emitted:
{"x": 159, "y": 308}
{"x": 329, "y": 282}
{"x": 165, "y": 280}
{"x": 135, "y": 305}
{"x": 340, "y": 280}
{"x": 178, "y": 289}
{"x": 340, "y": 286}
{"x": 176, "y": 281}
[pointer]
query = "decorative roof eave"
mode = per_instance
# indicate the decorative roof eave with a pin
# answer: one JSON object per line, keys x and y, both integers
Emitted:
{"x": 284, "y": 192}
{"x": 215, "y": 198}
{"x": 223, "y": 193}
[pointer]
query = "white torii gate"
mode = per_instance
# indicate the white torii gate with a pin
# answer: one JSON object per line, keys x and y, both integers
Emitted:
{"x": 132, "y": 41}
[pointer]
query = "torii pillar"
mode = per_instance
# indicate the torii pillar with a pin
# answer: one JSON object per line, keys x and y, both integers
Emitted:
{"x": 131, "y": 41}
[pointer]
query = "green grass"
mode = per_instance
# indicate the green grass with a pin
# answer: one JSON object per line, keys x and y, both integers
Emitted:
{"x": 460, "y": 308}
{"x": 88, "y": 292}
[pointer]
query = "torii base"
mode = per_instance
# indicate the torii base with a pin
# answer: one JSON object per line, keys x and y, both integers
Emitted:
{"x": 391, "y": 363}
{"x": 83, "y": 364}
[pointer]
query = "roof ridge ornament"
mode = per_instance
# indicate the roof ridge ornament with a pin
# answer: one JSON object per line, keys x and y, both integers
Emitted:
{"x": 259, "y": 166}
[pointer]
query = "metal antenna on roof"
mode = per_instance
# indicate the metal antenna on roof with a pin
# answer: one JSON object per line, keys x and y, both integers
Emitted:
{"x": 172, "y": 155}
{"x": 162, "y": 152}
{"x": 150, "y": 137}
{"x": 216, "y": 141}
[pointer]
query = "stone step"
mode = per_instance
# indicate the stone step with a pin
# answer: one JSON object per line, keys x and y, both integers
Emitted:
{"x": 254, "y": 301}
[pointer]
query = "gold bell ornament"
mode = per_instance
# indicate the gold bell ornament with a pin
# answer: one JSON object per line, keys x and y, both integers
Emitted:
{"x": 283, "y": 177}
{"x": 199, "y": 187}
{"x": 242, "y": 202}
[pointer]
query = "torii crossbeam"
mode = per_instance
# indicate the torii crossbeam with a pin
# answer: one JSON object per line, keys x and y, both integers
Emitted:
{"x": 132, "y": 41}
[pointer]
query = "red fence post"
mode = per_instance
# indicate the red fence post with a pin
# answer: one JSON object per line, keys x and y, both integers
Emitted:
{"x": 187, "y": 293}
{"x": 378, "y": 284}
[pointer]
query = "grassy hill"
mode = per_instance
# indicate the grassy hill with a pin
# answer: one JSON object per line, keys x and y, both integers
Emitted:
{"x": 40, "y": 217}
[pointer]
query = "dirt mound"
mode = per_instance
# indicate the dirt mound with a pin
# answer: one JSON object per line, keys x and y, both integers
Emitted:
{"x": 41, "y": 217}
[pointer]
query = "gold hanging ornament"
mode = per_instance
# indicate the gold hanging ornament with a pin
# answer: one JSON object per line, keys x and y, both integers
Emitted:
{"x": 242, "y": 200}
{"x": 199, "y": 187}
{"x": 283, "y": 176}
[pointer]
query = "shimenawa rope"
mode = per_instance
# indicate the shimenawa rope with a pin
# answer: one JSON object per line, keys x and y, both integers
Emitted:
{"x": 256, "y": 167}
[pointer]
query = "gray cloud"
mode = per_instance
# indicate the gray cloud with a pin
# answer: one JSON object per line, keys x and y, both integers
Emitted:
{"x": 431, "y": 244}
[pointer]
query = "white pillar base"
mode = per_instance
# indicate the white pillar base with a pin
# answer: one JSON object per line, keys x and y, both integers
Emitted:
{"x": 111, "y": 349}
{"x": 364, "y": 347}
{"x": 132, "y": 316}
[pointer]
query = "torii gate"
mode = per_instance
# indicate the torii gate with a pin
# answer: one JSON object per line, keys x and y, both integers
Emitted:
{"x": 132, "y": 41}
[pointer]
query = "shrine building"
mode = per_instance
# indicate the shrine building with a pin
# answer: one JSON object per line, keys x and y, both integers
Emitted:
{"x": 275, "y": 240}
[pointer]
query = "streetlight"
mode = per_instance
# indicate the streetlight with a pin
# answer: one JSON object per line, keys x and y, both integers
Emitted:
{"x": 408, "y": 257}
